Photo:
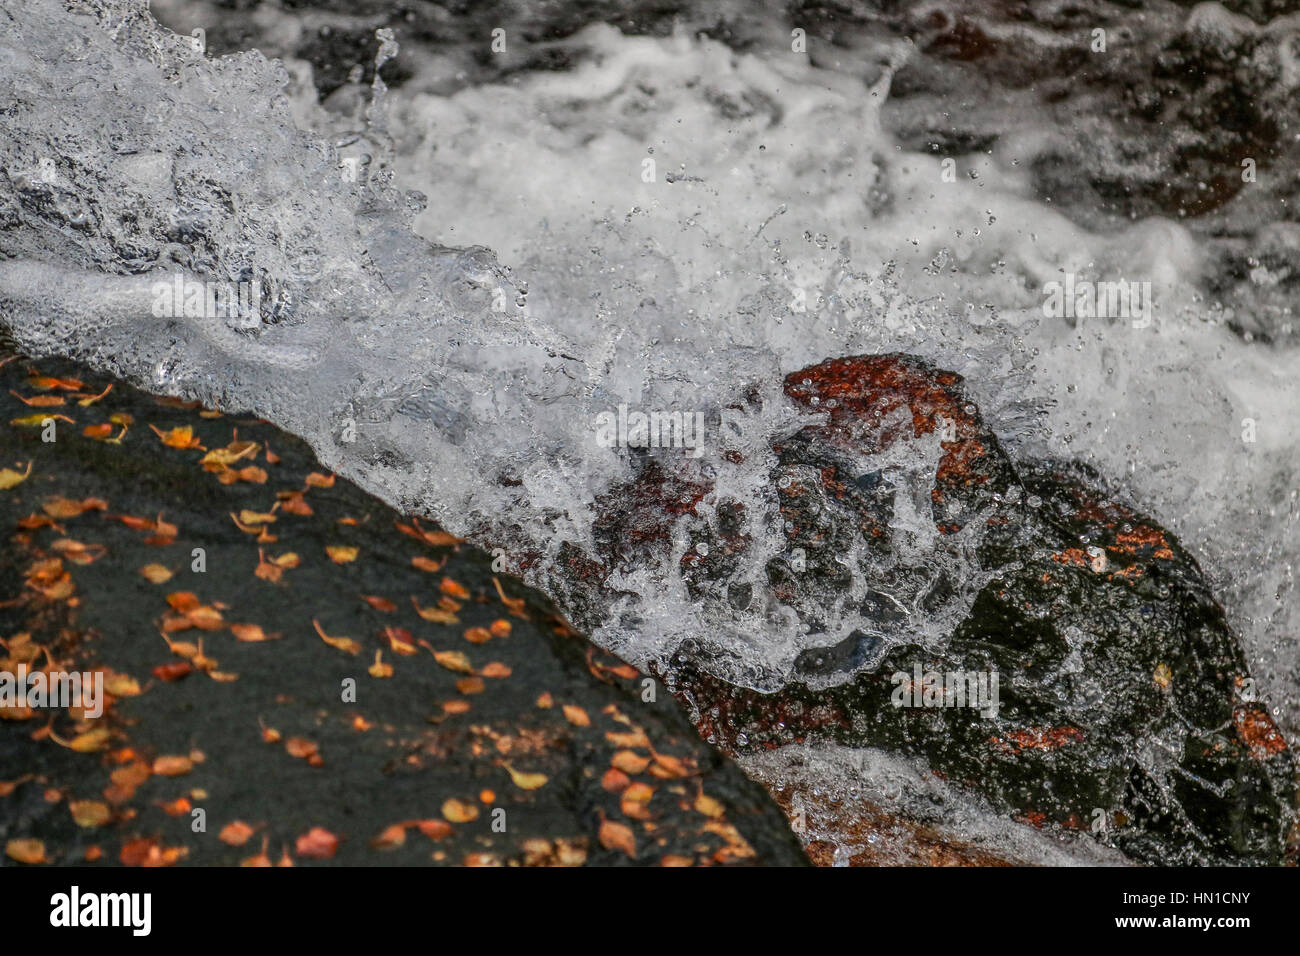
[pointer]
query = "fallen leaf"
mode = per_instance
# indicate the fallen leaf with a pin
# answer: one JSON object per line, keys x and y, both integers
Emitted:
{"x": 459, "y": 811}
{"x": 90, "y": 813}
{"x": 26, "y": 851}
{"x": 173, "y": 766}
{"x": 11, "y": 479}
{"x": 345, "y": 644}
{"x": 317, "y": 844}
{"x": 709, "y": 806}
{"x": 67, "y": 508}
{"x": 478, "y": 635}
{"x": 173, "y": 672}
{"x": 340, "y": 553}
{"x": 526, "y": 781}
{"x": 451, "y": 588}
{"x": 617, "y": 836}
{"x": 301, "y": 747}
{"x": 393, "y": 836}
{"x": 38, "y": 401}
{"x": 38, "y": 420}
{"x": 379, "y": 669}
{"x": 156, "y": 573}
{"x": 251, "y": 633}
{"x": 434, "y": 829}
{"x": 454, "y": 661}
{"x": 629, "y": 762}
{"x": 236, "y": 833}
{"x": 436, "y": 615}
{"x": 181, "y": 437}
{"x": 576, "y": 716}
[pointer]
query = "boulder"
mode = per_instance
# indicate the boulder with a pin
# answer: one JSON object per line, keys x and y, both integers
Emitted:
{"x": 295, "y": 673}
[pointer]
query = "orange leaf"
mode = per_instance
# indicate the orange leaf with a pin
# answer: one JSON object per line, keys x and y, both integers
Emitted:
{"x": 341, "y": 554}
{"x": 576, "y": 716}
{"x": 436, "y": 615}
{"x": 459, "y": 811}
{"x": 250, "y": 633}
{"x": 317, "y": 844}
{"x": 235, "y": 834}
{"x": 66, "y": 508}
{"x": 90, "y": 813}
{"x": 617, "y": 836}
{"x": 454, "y": 661}
{"x": 345, "y": 644}
{"x": 453, "y": 589}
{"x": 26, "y": 851}
{"x": 182, "y": 437}
{"x": 156, "y": 573}
{"x": 174, "y": 766}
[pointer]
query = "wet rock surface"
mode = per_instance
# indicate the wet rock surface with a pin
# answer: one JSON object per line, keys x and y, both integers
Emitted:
{"x": 482, "y": 729}
{"x": 1124, "y": 705}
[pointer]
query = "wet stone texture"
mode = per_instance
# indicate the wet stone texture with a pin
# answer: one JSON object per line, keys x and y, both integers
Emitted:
{"x": 475, "y": 703}
{"x": 1126, "y": 706}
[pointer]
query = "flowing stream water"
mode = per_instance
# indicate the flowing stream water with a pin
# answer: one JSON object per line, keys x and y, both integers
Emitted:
{"x": 457, "y": 279}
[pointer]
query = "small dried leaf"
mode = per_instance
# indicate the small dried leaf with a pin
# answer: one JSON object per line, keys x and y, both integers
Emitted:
{"x": 26, "y": 851}
{"x": 317, "y": 844}
{"x": 90, "y": 813}
{"x": 454, "y": 661}
{"x": 617, "y": 836}
{"x": 173, "y": 766}
{"x": 526, "y": 781}
{"x": 236, "y": 834}
{"x": 156, "y": 573}
{"x": 345, "y": 644}
{"x": 459, "y": 811}
{"x": 341, "y": 554}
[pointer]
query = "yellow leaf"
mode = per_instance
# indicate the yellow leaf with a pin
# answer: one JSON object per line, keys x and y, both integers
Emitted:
{"x": 90, "y": 813}
{"x": 345, "y": 644}
{"x": 459, "y": 811}
{"x": 709, "y": 806}
{"x": 454, "y": 661}
{"x": 122, "y": 685}
{"x": 38, "y": 420}
{"x": 379, "y": 668}
{"x": 236, "y": 450}
{"x": 26, "y": 851}
{"x": 89, "y": 742}
{"x": 182, "y": 437}
{"x": 434, "y": 614}
{"x": 526, "y": 781}
{"x": 10, "y": 478}
{"x": 617, "y": 836}
{"x": 341, "y": 554}
{"x": 255, "y": 517}
{"x": 576, "y": 716}
{"x": 172, "y": 766}
{"x": 249, "y": 633}
{"x": 156, "y": 573}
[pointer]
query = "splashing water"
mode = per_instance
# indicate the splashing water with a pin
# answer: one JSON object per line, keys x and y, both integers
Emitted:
{"x": 674, "y": 226}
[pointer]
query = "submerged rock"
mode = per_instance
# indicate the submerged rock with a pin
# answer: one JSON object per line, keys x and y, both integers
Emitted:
{"x": 311, "y": 676}
{"x": 1088, "y": 679}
